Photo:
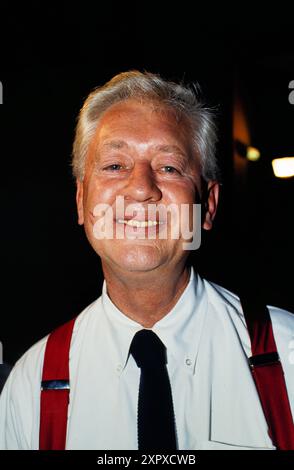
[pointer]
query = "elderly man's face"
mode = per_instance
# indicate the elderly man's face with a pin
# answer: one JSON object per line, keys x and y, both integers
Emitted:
{"x": 145, "y": 156}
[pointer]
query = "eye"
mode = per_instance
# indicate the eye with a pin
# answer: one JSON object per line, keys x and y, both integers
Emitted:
{"x": 113, "y": 167}
{"x": 170, "y": 169}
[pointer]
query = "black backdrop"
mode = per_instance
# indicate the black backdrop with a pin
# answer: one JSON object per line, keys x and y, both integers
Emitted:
{"x": 51, "y": 57}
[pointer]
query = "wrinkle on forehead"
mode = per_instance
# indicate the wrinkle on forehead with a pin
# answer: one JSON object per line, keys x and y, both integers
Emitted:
{"x": 117, "y": 144}
{"x": 148, "y": 108}
{"x": 139, "y": 118}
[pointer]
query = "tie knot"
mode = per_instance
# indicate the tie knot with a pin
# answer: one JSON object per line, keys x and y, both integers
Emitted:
{"x": 148, "y": 350}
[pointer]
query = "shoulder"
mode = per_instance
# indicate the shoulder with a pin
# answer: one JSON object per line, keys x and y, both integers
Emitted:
{"x": 28, "y": 369}
{"x": 20, "y": 399}
{"x": 29, "y": 365}
{"x": 227, "y": 306}
{"x": 282, "y": 320}
{"x": 224, "y": 305}
{"x": 219, "y": 295}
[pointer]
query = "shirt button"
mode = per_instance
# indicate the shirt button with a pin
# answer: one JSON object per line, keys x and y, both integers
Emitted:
{"x": 188, "y": 362}
{"x": 119, "y": 368}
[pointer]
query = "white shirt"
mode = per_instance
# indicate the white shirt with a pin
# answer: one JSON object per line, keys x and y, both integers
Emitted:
{"x": 215, "y": 401}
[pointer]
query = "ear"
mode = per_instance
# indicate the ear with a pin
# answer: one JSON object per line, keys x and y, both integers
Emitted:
{"x": 211, "y": 202}
{"x": 79, "y": 201}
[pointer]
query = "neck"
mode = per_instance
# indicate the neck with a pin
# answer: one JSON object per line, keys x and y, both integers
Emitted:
{"x": 146, "y": 297}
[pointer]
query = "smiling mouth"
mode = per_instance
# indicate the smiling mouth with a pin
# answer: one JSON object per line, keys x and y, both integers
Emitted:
{"x": 139, "y": 223}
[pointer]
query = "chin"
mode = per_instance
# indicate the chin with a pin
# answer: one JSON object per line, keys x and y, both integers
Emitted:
{"x": 136, "y": 258}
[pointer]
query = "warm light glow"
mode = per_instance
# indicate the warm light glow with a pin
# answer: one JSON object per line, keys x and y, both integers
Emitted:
{"x": 283, "y": 167}
{"x": 252, "y": 154}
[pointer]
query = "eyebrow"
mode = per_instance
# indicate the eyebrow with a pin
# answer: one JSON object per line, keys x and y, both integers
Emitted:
{"x": 115, "y": 144}
{"x": 169, "y": 149}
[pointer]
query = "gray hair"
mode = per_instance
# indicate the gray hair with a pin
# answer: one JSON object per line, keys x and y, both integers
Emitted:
{"x": 143, "y": 86}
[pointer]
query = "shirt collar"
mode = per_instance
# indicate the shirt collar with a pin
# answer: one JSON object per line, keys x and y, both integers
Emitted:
{"x": 179, "y": 330}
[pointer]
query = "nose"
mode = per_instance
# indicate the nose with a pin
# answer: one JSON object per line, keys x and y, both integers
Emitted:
{"x": 141, "y": 185}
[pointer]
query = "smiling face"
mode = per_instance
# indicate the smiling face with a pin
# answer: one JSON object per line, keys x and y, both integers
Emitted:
{"x": 142, "y": 154}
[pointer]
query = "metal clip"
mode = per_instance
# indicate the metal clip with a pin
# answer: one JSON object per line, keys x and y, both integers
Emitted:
{"x": 261, "y": 360}
{"x": 55, "y": 385}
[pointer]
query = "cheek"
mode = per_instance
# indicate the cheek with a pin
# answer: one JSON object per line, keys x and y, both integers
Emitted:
{"x": 180, "y": 193}
{"x": 99, "y": 193}
{"x": 183, "y": 196}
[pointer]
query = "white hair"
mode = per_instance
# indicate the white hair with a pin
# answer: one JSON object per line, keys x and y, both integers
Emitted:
{"x": 143, "y": 86}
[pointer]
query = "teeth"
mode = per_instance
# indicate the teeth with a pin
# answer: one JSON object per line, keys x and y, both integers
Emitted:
{"x": 138, "y": 223}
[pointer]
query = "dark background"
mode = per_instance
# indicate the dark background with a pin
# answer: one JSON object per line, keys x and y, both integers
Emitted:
{"x": 50, "y": 59}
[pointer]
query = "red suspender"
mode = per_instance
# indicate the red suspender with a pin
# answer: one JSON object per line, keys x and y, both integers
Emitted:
{"x": 268, "y": 376}
{"x": 55, "y": 389}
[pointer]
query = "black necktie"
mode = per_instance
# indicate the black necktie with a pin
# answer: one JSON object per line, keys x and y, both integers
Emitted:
{"x": 156, "y": 421}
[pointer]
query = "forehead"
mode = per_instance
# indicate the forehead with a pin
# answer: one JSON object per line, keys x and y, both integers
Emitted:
{"x": 144, "y": 122}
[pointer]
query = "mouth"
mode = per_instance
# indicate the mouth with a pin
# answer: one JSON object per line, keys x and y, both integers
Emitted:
{"x": 139, "y": 223}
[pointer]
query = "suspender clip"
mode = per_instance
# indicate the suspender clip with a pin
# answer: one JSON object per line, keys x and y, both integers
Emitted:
{"x": 55, "y": 385}
{"x": 261, "y": 360}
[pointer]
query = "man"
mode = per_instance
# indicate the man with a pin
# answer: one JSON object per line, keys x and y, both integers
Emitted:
{"x": 144, "y": 143}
